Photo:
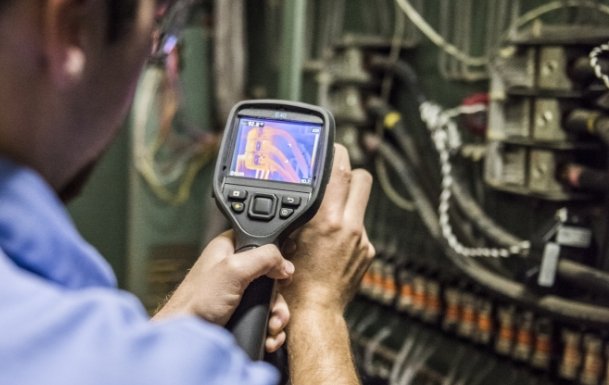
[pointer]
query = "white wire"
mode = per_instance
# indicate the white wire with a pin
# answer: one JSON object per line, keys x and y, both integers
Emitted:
{"x": 536, "y": 13}
{"x": 400, "y": 360}
{"x": 418, "y": 20}
{"x": 598, "y": 71}
{"x": 372, "y": 347}
{"x": 477, "y": 61}
{"x": 437, "y": 121}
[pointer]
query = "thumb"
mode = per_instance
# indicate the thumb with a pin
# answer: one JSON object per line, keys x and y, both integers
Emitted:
{"x": 265, "y": 260}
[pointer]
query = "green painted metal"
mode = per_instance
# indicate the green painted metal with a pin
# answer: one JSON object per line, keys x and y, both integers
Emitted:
{"x": 99, "y": 213}
{"x": 293, "y": 49}
{"x": 152, "y": 223}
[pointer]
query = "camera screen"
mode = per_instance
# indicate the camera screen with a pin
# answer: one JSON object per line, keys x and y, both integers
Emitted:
{"x": 275, "y": 150}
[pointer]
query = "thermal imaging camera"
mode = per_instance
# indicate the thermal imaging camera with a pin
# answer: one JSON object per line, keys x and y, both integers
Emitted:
{"x": 274, "y": 163}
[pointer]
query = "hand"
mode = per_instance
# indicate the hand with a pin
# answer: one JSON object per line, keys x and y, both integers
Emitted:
{"x": 332, "y": 251}
{"x": 214, "y": 286}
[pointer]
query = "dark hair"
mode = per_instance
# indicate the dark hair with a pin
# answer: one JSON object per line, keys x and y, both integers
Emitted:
{"x": 120, "y": 16}
{"x": 4, "y": 3}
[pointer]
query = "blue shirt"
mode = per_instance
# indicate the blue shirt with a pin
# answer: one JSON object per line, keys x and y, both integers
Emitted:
{"x": 63, "y": 321}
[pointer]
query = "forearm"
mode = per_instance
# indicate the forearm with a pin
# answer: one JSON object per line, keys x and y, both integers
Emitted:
{"x": 319, "y": 349}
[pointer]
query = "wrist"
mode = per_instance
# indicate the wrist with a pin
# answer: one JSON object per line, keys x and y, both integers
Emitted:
{"x": 316, "y": 300}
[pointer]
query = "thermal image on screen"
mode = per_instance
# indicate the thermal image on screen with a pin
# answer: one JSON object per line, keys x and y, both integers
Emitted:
{"x": 276, "y": 150}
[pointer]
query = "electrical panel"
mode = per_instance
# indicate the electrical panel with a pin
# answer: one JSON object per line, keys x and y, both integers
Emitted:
{"x": 489, "y": 211}
{"x": 538, "y": 83}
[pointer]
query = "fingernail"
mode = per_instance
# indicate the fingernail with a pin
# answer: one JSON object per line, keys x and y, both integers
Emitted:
{"x": 288, "y": 268}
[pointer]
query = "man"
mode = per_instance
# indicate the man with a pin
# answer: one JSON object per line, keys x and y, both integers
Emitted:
{"x": 68, "y": 71}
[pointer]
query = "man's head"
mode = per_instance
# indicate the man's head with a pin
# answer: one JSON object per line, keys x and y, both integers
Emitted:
{"x": 120, "y": 15}
{"x": 68, "y": 70}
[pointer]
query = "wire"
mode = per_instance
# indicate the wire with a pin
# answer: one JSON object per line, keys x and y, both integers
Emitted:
{"x": 418, "y": 20}
{"x": 437, "y": 122}
{"x": 558, "y": 307}
{"x": 580, "y": 276}
{"x": 186, "y": 165}
{"x": 388, "y": 189}
{"x": 394, "y": 54}
{"x": 594, "y": 62}
{"x": 536, "y": 13}
{"x": 444, "y": 135}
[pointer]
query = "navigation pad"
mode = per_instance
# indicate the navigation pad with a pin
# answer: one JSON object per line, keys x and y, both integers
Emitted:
{"x": 263, "y": 207}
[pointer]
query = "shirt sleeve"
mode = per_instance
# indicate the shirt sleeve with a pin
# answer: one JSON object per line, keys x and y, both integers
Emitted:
{"x": 102, "y": 336}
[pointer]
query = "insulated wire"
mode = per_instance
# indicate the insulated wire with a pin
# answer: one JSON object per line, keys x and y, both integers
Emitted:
{"x": 594, "y": 63}
{"x": 576, "y": 274}
{"x": 436, "y": 38}
{"x": 557, "y": 306}
{"x": 391, "y": 193}
{"x": 536, "y": 13}
{"x": 144, "y": 157}
{"x": 381, "y": 168}
{"x": 437, "y": 123}
{"x": 417, "y": 19}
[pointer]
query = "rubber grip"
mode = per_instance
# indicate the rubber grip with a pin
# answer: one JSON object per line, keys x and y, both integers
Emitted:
{"x": 249, "y": 322}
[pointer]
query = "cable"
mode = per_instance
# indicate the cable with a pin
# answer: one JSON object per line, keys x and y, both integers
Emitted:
{"x": 594, "y": 62}
{"x": 578, "y": 275}
{"x": 442, "y": 127}
{"x": 536, "y": 13}
{"x": 567, "y": 310}
{"x": 188, "y": 162}
{"x": 437, "y": 123}
{"x": 388, "y": 189}
{"x": 394, "y": 54}
{"x": 418, "y": 20}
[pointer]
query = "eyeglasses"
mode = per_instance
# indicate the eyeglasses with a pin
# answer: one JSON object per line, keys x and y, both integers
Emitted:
{"x": 169, "y": 26}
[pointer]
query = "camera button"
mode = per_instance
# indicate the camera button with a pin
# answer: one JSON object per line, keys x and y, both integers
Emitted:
{"x": 290, "y": 201}
{"x": 263, "y": 205}
{"x": 285, "y": 213}
{"x": 237, "y": 195}
{"x": 237, "y": 207}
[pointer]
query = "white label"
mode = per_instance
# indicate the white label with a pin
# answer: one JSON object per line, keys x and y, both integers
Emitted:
{"x": 547, "y": 275}
{"x": 574, "y": 236}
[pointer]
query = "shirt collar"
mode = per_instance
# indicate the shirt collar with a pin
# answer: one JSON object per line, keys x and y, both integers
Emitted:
{"x": 37, "y": 234}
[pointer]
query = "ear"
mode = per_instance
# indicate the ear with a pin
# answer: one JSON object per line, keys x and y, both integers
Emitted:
{"x": 66, "y": 29}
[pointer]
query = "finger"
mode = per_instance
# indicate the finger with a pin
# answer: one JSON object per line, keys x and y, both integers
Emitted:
{"x": 359, "y": 194}
{"x": 265, "y": 260}
{"x": 280, "y": 316}
{"x": 272, "y": 344}
{"x": 337, "y": 190}
{"x": 223, "y": 244}
{"x": 275, "y": 327}
{"x": 219, "y": 248}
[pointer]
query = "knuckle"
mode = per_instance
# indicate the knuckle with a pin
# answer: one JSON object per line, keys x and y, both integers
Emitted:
{"x": 345, "y": 174}
{"x": 371, "y": 252}
{"x": 232, "y": 264}
{"x": 355, "y": 231}
{"x": 271, "y": 254}
{"x": 333, "y": 222}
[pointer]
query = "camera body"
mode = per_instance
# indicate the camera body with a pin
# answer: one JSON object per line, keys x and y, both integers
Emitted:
{"x": 274, "y": 163}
